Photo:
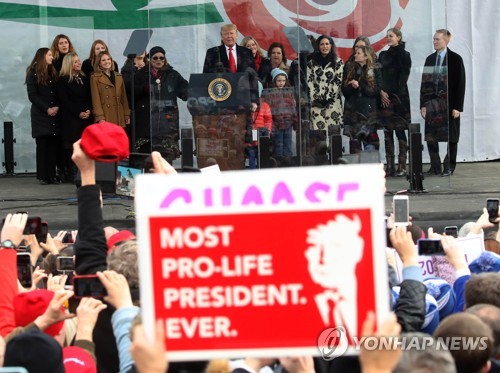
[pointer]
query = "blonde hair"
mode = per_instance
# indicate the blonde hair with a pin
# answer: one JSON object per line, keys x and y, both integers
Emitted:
{"x": 67, "y": 66}
{"x": 246, "y": 39}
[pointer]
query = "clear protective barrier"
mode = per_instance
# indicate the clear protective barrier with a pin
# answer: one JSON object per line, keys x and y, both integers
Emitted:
{"x": 306, "y": 83}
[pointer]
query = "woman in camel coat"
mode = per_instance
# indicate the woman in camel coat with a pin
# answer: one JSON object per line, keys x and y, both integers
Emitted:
{"x": 109, "y": 97}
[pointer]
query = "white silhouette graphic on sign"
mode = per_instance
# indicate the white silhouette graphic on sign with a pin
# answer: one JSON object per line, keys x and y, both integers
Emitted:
{"x": 335, "y": 249}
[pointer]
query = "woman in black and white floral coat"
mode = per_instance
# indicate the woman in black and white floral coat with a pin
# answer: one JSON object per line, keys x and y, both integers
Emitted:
{"x": 324, "y": 78}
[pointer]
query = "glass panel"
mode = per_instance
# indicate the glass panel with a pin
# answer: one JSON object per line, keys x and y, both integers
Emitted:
{"x": 318, "y": 117}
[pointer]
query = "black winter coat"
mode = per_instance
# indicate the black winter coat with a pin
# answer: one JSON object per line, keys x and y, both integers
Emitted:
{"x": 361, "y": 104}
{"x": 444, "y": 96}
{"x": 156, "y": 104}
{"x": 396, "y": 66}
{"x": 42, "y": 97}
{"x": 75, "y": 98}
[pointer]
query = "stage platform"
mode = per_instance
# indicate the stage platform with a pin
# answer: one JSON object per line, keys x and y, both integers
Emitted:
{"x": 448, "y": 201}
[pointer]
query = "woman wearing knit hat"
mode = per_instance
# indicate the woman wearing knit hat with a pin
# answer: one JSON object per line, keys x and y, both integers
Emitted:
{"x": 157, "y": 87}
{"x": 324, "y": 78}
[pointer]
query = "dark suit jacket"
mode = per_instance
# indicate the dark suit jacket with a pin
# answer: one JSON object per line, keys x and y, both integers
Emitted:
{"x": 214, "y": 55}
{"x": 455, "y": 87}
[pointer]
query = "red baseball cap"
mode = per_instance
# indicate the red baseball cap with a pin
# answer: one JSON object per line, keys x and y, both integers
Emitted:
{"x": 78, "y": 360}
{"x": 105, "y": 142}
{"x": 123, "y": 235}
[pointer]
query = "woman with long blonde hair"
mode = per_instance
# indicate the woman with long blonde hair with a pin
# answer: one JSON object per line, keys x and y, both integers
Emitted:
{"x": 73, "y": 88}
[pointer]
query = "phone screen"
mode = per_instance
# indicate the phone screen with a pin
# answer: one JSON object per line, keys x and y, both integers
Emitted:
{"x": 430, "y": 247}
{"x": 401, "y": 213}
{"x": 451, "y": 231}
{"x": 68, "y": 238}
{"x": 65, "y": 263}
{"x": 24, "y": 269}
{"x": 33, "y": 226}
{"x": 88, "y": 286}
{"x": 492, "y": 207}
{"x": 44, "y": 230}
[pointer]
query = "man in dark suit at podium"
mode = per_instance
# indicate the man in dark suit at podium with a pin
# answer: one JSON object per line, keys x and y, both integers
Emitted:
{"x": 228, "y": 57}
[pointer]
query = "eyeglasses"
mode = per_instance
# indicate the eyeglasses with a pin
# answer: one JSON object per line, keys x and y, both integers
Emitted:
{"x": 158, "y": 58}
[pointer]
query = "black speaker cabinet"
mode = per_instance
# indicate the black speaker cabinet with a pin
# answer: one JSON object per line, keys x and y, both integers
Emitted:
{"x": 105, "y": 177}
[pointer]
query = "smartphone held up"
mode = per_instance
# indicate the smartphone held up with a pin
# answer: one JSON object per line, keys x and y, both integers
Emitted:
{"x": 88, "y": 286}
{"x": 492, "y": 207}
{"x": 401, "y": 211}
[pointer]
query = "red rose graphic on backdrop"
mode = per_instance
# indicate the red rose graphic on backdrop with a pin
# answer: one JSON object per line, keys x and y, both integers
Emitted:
{"x": 344, "y": 20}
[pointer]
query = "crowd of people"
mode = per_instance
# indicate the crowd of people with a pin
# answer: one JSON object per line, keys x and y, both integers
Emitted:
{"x": 46, "y": 329}
{"x": 317, "y": 95}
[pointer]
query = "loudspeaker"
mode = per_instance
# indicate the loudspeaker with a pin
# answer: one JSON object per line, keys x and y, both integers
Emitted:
{"x": 8, "y": 141}
{"x": 105, "y": 177}
{"x": 335, "y": 148}
{"x": 187, "y": 148}
{"x": 415, "y": 174}
{"x": 264, "y": 151}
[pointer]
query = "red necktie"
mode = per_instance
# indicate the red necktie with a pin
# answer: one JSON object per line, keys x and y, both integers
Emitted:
{"x": 232, "y": 62}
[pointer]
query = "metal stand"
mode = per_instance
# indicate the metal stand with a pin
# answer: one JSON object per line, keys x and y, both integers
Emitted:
{"x": 8, "y": 141}
{"x": 187, "y": 150}
{"x": 415, "y": 175}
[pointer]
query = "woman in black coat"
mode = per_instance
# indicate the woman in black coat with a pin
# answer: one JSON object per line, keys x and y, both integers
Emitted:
{"x": 395, "y": 100}
{"x": 73, "y": 88}
{"x": 157, "y": 88}
{"x": 361, "y": 88}
{"x": 41, "y": 79}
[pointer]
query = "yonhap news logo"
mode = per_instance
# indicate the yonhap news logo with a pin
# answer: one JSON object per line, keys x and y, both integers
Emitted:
{"x": 333, "y": 342}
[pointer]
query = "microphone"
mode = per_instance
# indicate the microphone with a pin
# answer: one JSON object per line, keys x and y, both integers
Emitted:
{"x": 219, "y": 67}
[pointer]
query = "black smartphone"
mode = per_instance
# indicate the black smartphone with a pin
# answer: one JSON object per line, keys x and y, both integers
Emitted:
{"x": 33, "y": 226}
{"x": 65, "y": 264}
{"x": 43, "y": 235}
{"x": 451, "y": 231}
{"x": 430, "y": 247}
{"x": 24, "y": 269}
{"x": 88, "y": 286}
{"x": 492, "y": 207}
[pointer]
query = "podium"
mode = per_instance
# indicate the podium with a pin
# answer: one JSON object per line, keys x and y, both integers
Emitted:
{"x": 219, "y": 104}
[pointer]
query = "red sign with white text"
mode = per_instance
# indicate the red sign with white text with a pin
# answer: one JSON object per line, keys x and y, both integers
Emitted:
{"x": 261, "y": 280}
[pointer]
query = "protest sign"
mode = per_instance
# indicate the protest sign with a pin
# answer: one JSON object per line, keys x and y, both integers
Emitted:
{"x": 472, "y": 247}
{"x": 260, "y": 263}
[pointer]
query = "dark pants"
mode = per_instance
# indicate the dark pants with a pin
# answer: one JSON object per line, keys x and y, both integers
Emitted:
{"x": 47, "y": 148}
{"x": 450, "y": 161}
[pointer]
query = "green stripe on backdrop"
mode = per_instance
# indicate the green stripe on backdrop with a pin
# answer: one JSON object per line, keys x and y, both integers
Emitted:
{"x": 111, "y": 19}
